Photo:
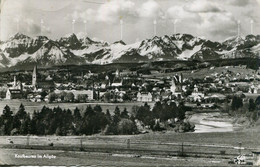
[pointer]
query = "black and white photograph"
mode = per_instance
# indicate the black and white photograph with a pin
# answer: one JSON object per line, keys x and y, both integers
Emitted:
{"x": 129, "y": 83}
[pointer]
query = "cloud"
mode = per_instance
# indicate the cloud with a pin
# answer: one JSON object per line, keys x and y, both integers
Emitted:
{"x": 88, "y": 15}
{"x": 178, "y": 12}
{"x": 219, "y": 25}
{"x": 150, "y": 9}
{"x": 240, "y": 3}
{"x": 203, "y": 6}
{"x": 112, "y": 11}
{"x": 29, "y": 26}
{"x": 204, "y": 18}
{"x": 258, "y": 1}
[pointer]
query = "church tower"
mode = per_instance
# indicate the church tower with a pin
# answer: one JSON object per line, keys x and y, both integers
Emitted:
{"x": 173, "y": 86}
{"x": 34, "y": 76}
{"x": 15, "y": 83}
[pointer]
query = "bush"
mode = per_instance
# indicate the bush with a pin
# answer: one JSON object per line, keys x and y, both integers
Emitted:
{"x": 127, "y": 127}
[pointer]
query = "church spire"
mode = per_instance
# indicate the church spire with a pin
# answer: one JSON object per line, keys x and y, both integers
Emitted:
{"x": 15, "y": 83}
{"x": 34, "y": 76}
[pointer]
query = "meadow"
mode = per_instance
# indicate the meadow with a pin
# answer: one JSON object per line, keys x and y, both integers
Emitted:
{"x": 150, "y": 149}
{"x": 37, "y": 106}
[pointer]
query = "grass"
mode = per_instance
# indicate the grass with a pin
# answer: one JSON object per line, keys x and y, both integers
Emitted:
{"x": 34, "y": 106}
{"x": 167, "y": 142}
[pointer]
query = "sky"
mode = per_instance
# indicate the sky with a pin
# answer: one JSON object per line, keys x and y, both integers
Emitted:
{"x": 216, "y": 20}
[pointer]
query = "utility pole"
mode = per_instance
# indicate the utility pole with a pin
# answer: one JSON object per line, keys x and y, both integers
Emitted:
{"x": 252, "y": 26}
{"x": 238, "y": 30}
{"x": 1, "y": 13}
{"x": 73, "y": 25}
{"x": 28, "y": 140}
{"x": 240, "y": 147}
{"x": 85, "y": 29}
{"x": 121, "y": 29}
{"x": 128, "y": 143}
{"x": 182, "y": 149}
{"x": 17, "y": 25}
{"x": 175, "y": 26}
{"x": 154, "y": 27}
{"x": 41, "y": 26}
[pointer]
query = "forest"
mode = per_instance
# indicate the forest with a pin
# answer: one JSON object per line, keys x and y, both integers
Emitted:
{"x": 64, "y": 122}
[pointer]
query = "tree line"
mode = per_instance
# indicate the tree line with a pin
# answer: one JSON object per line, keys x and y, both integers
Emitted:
{"x": 92, "y": 120}
{"x": 245, "y": 107}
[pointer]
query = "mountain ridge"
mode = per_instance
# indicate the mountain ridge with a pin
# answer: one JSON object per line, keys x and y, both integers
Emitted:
{"x": 20, "y": 50}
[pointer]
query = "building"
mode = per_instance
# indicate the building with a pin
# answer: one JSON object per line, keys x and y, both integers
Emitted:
{"x": 89, "y": 93}
{"x": 42, "y": 85}
{"x": 117, "y": 84}
{"x": 14, "y": 94}
{"x": 16, "y": 91}
{"x": 173, "y": 87}
{"x": 144, "y": 97}
{"x": 196, "y": 95}
{"x": 47, "y": 85}
{"x": 176, "y": 85}
{"x": 76, "y": 93}
{"x": 34, "y": 76}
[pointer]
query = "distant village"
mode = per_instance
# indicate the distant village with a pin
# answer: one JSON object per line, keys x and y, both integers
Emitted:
{"x": 130, "y": 86}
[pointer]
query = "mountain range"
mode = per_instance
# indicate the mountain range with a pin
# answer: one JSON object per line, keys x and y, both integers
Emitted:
{"x": 21, "y": 50}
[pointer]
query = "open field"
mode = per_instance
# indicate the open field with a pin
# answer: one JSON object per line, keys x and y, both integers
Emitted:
{"x": 153, "y": 149}
{"x": 102, "y": 159}
{"x": 34, "y": 106}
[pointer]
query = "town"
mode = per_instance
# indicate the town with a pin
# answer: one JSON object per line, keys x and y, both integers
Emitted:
{"x": 215, "y": 87}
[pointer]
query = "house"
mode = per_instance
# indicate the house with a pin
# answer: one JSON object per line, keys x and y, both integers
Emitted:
{"x": 117, "y": 84}
{"x": 144, "y": 97}
{"x": 14, "y": 94}
{"x": 47, "y": 85}
{"x": 253, "y": 89}
{"x": 89, "y": 93}
{"x": 256, "y": 158}
{"x": 165, "y": 95}
{"x": 196, "y": 95}
{"x": 76, "y": 93}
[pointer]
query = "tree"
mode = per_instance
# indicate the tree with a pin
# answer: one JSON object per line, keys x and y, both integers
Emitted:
{"x": 237, "y": 102}
{"x": 62, "y": 95}
{"x": 69, "y": 97}
{"x": 98, "y": 108}
{"x": 126, "y": 97}
{"x": 107, "y": 97}
{"x": 124, "y": 114}
{"x": 89, "y": 112}
{"x": 16, "y": 122}
{"x": 7, "y": 117}
{"x": 108, "y": 116}
{"x": 77, "y": 115}
{"x": 252, "y": 105}
{"x": 116, "y": 117}
{"x": 127, "y": 127}
{"x": 7, "y": 113}
{"x": 25, "y": 126}
{"x": 21, "y": 112}
{"x": 82, "y": 97}
{"x": 43, "y": 94}
{"x": 52, "y": 97}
